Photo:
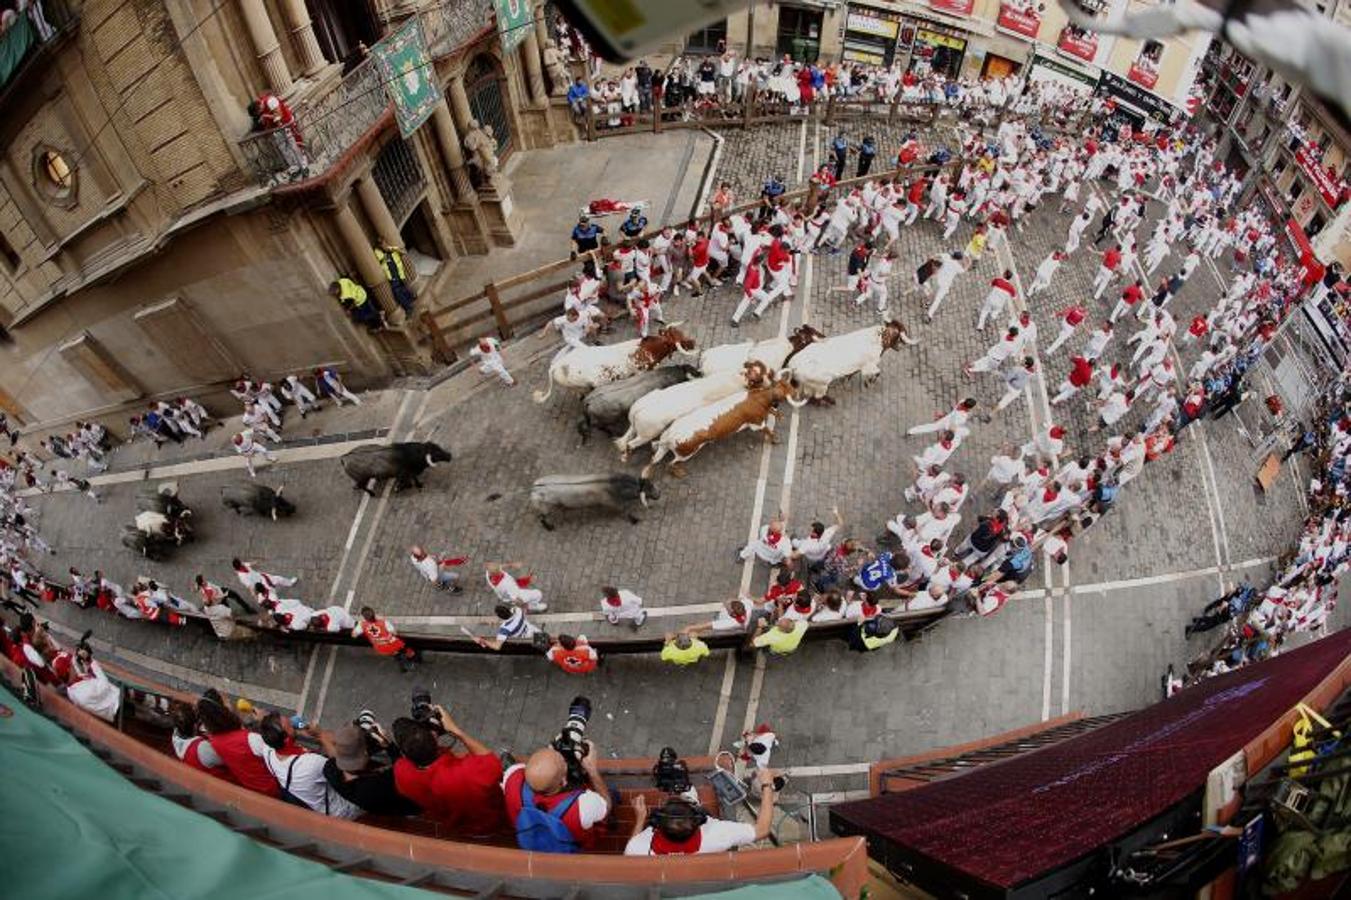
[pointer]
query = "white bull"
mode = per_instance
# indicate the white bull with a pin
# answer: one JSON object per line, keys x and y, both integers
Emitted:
{"x": 587, "y": 367}
{"x": 773, "y": 352}
{"x": 650, "y": 415}
{"x": 858, "y": 352}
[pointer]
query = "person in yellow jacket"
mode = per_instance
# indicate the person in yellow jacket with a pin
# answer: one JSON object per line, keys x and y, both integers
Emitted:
{"x": 358, "y": 303}
{"x": 395, "y": 267}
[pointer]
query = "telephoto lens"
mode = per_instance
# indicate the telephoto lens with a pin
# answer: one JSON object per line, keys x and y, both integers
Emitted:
{"x": 421, "y": 707}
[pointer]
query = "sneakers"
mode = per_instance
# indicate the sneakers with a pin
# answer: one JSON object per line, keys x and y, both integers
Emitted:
{"x": 612, "y": 618}
{"x": 638, "y": 622}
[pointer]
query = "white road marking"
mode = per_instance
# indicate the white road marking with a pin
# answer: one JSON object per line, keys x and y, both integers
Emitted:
{"x": 396, "y": 433}
{"x": 1019, "y": 306}
{"x": 285, "y": 456}
{"x": 1168, "y": 578}
{"x": 819, "y": 771}
{"x": 724, "y": 700}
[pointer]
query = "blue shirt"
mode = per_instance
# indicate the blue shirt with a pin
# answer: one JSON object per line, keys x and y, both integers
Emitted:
{"x": 773, "y": 188}
{"x": 634, "y": 227}
{"x": 586, "y": 236}
{"x": 578, "y": 92}
{"x": 877, "y": 573}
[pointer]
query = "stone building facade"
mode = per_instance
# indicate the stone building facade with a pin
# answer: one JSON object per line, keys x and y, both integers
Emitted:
{"x": 969, "y": 39}
{"x": 153, "y": 242}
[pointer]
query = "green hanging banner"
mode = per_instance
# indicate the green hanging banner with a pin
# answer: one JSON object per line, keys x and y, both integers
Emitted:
{"x": 514, "y": 20}
{"x": 409, "y": 78}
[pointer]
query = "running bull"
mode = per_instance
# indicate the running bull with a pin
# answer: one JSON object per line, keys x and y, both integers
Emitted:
{"x": 404, "y": 462}
{"x": 614, "y": 493}
{"x": 250, "y": 498}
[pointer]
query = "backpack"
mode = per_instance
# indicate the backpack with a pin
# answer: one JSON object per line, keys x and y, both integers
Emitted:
{"x": 544, "y": 830}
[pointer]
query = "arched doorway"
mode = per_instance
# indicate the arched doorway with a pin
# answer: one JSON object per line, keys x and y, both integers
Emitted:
{"x": 485, "y": 84}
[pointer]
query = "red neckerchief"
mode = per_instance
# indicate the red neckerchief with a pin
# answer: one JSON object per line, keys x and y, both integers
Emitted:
{"x": 495, "y": 578}
{"x": 662, "y": 845}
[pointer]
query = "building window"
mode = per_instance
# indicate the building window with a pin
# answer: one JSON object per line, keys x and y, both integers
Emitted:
{"x": 54, "y": 173}
{"x": 712, "y": 38}
{"x": 1315, "y": 225}
{"x": 799, "y": 33}
{"x": 9, "y": 255}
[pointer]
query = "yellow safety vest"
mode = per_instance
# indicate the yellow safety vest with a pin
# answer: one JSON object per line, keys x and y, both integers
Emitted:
{"x": 350, "y": 290}
{"x": 872, "y": 643}
{"x": 382, "y": 255}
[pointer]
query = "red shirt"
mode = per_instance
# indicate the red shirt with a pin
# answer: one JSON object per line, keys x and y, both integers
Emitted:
{"x": 1111, "y": 259}
{"x": 1075, "y": 315}
{"x": 461, "y": 792}
{"x": 917, "y": 190}
{"x": 1133, "y": 294}
{"x": 699, "y": 252}
{"x": 585, "y": 837}
{"x": 1081, "y": 371}
{"x": 1198, "y": 326}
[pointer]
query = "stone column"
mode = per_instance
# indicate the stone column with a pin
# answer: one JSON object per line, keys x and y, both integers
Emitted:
{"x": 534, "y": 69}
{"x": 459, "y": 103}
{"x": 265, "y": 45}
{"x": 363, "y": 254}
{"x": 541, "y": 28}
{"x": 468, "y": 222}
{"x": 377, "y": 210}
{"x": 302, "y": 32}
{"x": 449, "y": 141}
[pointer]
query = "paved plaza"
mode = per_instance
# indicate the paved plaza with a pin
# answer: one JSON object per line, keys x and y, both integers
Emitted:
{"x": 1093, "y": 635}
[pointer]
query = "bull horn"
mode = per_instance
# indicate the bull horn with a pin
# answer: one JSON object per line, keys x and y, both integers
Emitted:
{"x": 274, "y": 512}
{"x": 670, "y": 325}
{"x": 642, "y": 498}
{"x": 280, "y": 489}
{"x": 797, "y": 404}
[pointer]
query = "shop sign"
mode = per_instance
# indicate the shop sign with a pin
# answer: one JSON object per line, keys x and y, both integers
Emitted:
{"x": 1020, "y": 18}
{"x": 939, "y": 40}
{"x": 865, "y": 24}
{"x": 1115, "y": 86}
{"x": 1143, "y": 74}
{"x": 1079, "y": 42}
{"x": 955, "y": 7}
{"x": 1328, "y": 187}
{"x": 859, "y": 55}
{"x": 1089, "y": 81}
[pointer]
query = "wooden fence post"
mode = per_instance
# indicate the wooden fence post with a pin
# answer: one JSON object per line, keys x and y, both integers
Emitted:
{"x": 499, "y": 314}
{"x": 747, "y": 104}
{"x": 590, "y": 114}
{"x": 891, "y": 110}
{"x": 830, "y": 108}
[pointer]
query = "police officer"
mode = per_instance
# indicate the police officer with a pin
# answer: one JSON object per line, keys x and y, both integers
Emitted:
{"x": 872, "y": 634}
{"x": 392, "y": 264}
{"x": 867, "y": 151}
{"x": 355, "y": 299}
{"x": 840, "y": 148}
{"x": 634, "y": 225}
{"x": 585, "y": 238}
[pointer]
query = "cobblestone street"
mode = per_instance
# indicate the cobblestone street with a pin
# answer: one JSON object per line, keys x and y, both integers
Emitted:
{"x": 1094, "y": 635}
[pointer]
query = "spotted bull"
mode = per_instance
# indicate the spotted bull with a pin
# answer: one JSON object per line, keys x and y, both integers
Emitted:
{"x": 588, "y": 367}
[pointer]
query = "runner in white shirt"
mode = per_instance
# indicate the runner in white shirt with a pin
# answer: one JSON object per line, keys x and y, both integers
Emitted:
{"x": 619, "y": 605}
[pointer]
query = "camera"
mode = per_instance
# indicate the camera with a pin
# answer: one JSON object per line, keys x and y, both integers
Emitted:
{"x": 570, "y": 742}
{"x": 423, "y": 711}
{"x": 671, "y": 774}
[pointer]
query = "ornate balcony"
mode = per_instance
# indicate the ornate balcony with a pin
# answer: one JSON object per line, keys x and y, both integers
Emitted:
{"x": 452, "y": 24}
{"x": 28, "y": 46}
{"x": 329, "y": 125}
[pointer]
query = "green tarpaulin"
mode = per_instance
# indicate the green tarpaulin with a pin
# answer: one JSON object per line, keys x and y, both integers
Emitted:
{"x": 73, "y": 828}
{"x": 15, "y": 43}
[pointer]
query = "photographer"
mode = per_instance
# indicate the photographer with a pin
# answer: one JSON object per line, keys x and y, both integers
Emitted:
{"x": 680, "y": 826}
{"x": 300, "y": 773}
{"x": 361, "y": 767}
{"x": 459, "y": 790}
{"x": 542, "y": 790}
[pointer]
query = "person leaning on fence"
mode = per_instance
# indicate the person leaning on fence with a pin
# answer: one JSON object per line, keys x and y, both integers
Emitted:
{"x": 394, "y": 264}
{"x": 357, "y": 302}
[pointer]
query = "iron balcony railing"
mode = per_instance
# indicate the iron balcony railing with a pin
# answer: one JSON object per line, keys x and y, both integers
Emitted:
{"x": 328, "y": 126}
{"x": 450, "y": 25}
